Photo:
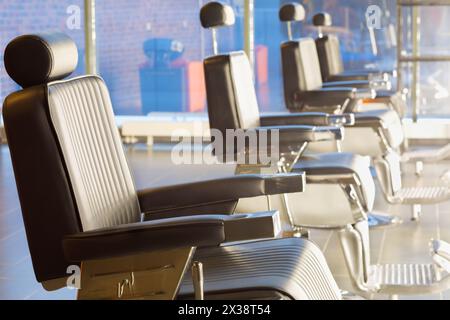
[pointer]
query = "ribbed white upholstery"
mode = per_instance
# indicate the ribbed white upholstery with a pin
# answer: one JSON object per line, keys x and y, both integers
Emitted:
{"x": 295, "y": 267}
{"x": 243, "y": 85}
{"x": 311, "y": 76}
{"x": 334, "y": 59}
{"x": 81, "y": 113}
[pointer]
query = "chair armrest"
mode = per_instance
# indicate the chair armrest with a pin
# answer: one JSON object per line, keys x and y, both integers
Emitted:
{"x": 295, "y": 135}
{"x": 219, "y": 190}
{"x": 333, "y": 96}
{"x": 167, "y": 234}
{"x": 307, "y": 118}
{"x": 351, "y": 76}
{"x": 358, "y": 84}
{"x": 370, "y": 72}
{"x": 374, "y": 119}
{"x": 295, "y": 119}
{"x": 125, "y": 240}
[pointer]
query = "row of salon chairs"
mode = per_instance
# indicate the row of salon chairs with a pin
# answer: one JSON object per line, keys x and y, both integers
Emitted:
{"x": 378, "y": 129}
{"x": 344, "y": 176}
{"x": 241, "y": 236}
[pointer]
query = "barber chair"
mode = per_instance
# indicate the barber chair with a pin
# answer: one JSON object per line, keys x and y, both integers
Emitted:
{"x": 344, "y": 178}
{"x": 333, "y": 74}
{"x": 80, "y": 205}
{"x": 376, "y": 133}
{"x": 365, "y": 81}
{"x": 332, "y": 68}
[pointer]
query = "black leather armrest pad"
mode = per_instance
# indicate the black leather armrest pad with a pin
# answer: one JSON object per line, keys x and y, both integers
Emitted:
{"x": 124, "y": 240}
{"x": 294, "y": 119}
{"x": 368, "y": 71}
{"x": 294, "y": 135}
{"x": 356, "y": 76}
{"x": 307, "y": 118}
{"x": 219, "y": 190}
{"x": 349, "y": 84}
{"x": 374, "y": 119}
{"x": 377, "y": 119}
{"x": 327, "y": 96}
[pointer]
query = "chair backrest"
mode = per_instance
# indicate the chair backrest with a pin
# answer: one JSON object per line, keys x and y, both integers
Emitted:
{"x": 230, "y": 88}
{"x": 330, "y": 58}
{"x": 232, "y": 102}
{"x": 70, "y": 167}
{"x": 328, "y": 48}
{"x": 301, "y": 69}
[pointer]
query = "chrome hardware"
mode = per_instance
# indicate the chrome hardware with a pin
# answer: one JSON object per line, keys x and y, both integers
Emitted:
{"x": 125, "y": 283}
{"x": 198, "y": 280}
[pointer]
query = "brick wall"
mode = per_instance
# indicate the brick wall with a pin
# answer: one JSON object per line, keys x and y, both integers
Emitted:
{"x": 122, "y": 28}
{"x": 18, "y": 17}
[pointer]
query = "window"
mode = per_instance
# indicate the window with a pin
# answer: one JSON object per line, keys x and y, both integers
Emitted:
{"x": 18, "y": 17}
{"x": 433, "y": 95}
{"x": 150, "y": 53}
{"x": 349, "y": 23}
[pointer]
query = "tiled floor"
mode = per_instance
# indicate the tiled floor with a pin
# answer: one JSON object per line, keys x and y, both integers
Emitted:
{"x": 405, "y": 244}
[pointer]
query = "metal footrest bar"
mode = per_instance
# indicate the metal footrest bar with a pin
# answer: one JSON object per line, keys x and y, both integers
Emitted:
{"x": 424, "y": 195}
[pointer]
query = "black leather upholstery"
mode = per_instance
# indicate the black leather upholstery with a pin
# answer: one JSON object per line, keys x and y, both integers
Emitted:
{"x": 216, "y": 14}
{"x": 48, "y": 207}
{"x": 351, "y": 76}
{"x": 307, "y": 118}
{"x": 322, "y": 19}
{"x": 357, "y": 84}
{"x": 37, "y": 59}
{"x": 217, "y": 191}
{"x": 222, "y": 108}
{"x": 331, "y": 62}
{"x": 297, "y": 135}
{"x": 292, "y": 12}
{"x": 123, "y": 240}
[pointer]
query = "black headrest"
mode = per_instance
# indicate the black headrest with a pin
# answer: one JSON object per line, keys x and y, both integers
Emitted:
{"x": 38, "y": 59}
{"x": 292, "y": 12}
{"x": 322, "y": 19}
{"x": 216, "y": 14}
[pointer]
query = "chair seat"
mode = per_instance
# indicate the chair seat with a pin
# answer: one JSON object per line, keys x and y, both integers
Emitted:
{"x": 393, "y": 128}
{"x": 269, "y": 269}
{"x": 338, "y": 164}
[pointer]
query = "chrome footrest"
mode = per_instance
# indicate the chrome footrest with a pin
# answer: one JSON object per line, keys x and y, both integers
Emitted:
{"x": 424, "y": 195}
{"x": 405, "y": 274}
{"x": 408, "y": 279}
{"x": 427, "y": 155}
